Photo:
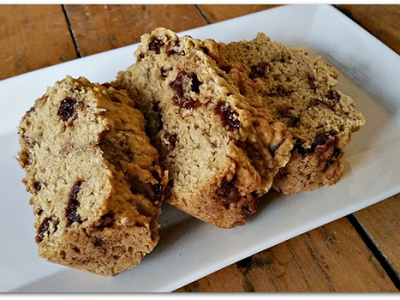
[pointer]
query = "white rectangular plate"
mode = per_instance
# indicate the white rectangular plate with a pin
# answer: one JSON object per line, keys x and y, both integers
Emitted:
{"x": 190, "y": 249}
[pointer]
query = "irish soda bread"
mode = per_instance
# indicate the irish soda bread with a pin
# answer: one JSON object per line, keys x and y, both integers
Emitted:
{"x": 300, "y": 92}
{"x": 94, "y": 177}
{"x": 221, "y": 149}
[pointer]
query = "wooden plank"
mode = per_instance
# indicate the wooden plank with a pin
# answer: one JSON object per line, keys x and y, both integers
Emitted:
{"x": 383, "y": 223}
{"x": 229, "y": 279}
{"x": 331, "y": 258}
{"x": 98, "y": 28}
{"x": 33, "y": 37}
{"x": 383, "y": 21}
{"x": 217, "y": 13}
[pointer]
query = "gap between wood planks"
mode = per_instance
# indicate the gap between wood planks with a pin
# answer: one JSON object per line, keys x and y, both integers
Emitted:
{"x": 361, "y": 230}
{"x": 71, "y": 32}
{"x": 202, "y": 14}
{"x": 376, "y": 250}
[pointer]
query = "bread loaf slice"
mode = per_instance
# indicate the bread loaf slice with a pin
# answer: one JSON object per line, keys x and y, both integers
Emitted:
{"x": 221, "y": 149}
{"x": 301, "y": 92}
{"x": 94, "y": 177}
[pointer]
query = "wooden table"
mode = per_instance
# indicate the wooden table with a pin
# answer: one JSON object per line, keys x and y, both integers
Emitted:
{"x": 357, "y": 253}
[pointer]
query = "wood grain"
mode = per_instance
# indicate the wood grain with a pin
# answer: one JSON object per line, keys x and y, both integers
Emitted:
{"x": 33, "y": 37}
{"x": 217, "y": 13}
{"x": 383, "y": 223}
{"x": 98, "y": 28}
{"x": 383, "y": 21}
{"x": 331, "y": 258}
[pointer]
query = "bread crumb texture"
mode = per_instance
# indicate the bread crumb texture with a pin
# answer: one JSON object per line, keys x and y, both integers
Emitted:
{"x": 221, "y": 148}
{"x": 94, "y": 177}
{"x": 300, "y": 92}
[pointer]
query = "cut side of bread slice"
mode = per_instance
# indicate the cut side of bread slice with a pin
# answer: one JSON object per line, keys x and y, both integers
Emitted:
{"x": 222, "y": 149}
{"x": 301, "y": 92}
{"x": 94, "y": 177}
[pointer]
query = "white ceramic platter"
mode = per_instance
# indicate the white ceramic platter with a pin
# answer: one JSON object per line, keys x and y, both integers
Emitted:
{"x": 190, "y": 249}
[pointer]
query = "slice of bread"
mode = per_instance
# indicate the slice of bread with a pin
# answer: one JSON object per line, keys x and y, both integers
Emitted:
{"x": 94, "y": 177}
{"x": 299, "y": 91}
{"x": 221, "y": 149}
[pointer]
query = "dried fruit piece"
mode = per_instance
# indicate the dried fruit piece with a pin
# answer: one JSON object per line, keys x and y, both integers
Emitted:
{"x": 156, "y": 45}
{"x": 228, "y": 191}
{"x": 229, "y": 118}
{"x": 73, "y": 205}
{"x": 178, "y": 85}
{"x": 43, "y": 229}
{"x": 67, "y": 109}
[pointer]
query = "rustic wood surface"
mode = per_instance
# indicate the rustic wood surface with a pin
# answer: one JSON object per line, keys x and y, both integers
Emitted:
{"x": 33, "y": 37}
{"x": 335, "y": 257}
{"x": 98, "y": 28}
{"x": 331, "y": 258}
{"x": 383, "y": 21}
{"x": 217, "y": 13}
{"x": 382, "y": 222}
